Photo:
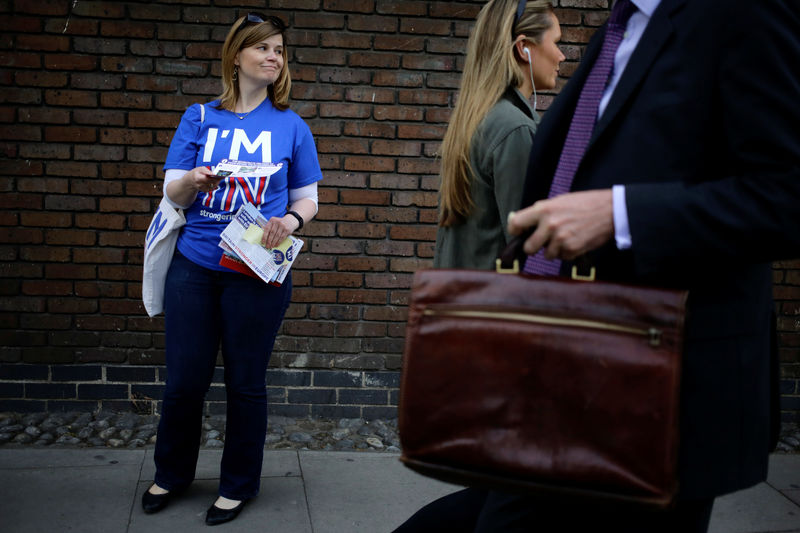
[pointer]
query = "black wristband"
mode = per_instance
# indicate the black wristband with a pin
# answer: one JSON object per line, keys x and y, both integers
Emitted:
{"x": 298, "y": 217}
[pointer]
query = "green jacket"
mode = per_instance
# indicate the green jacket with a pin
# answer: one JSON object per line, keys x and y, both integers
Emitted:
{"x": 499, "y": 158}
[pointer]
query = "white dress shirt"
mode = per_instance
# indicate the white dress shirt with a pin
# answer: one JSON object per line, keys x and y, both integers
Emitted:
{"x": 633, "y": 33}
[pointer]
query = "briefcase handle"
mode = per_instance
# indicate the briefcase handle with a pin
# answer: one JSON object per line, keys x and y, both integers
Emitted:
{"x": 512, "y": 256}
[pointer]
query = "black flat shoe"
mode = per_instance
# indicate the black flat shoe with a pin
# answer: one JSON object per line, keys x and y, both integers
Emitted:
{"x": 153, "y": 503}
{"x": 215, "y": 515}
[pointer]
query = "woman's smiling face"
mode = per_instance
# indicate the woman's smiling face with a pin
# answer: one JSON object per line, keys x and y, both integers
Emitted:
{"x": 261, "y": 63}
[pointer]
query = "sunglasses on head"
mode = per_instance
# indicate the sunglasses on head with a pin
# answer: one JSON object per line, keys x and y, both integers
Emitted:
{"x": 258, "y": 18}
{"x": 520, "y": 10}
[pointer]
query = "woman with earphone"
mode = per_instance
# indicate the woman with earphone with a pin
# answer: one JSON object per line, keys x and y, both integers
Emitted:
{"x": 512, "y": 52}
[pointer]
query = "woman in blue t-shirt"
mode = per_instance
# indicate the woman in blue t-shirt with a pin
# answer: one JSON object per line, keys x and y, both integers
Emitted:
{"x": 208, "y": 306}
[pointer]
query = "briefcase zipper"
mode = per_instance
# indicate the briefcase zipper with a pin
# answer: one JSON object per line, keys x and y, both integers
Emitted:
{"x": 652, "y": 334}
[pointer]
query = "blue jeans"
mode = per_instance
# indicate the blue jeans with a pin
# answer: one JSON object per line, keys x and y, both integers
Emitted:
{"x": 206, "y": 309}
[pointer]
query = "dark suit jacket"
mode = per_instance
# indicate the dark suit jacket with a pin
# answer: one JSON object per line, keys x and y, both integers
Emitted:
{"x": 704, "y": 131}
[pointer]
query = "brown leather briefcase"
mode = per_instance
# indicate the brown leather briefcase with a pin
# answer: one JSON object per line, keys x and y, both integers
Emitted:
{"x": 543, "y": 385}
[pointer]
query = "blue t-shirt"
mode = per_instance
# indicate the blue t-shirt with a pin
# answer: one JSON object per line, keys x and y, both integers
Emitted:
{"x": 266, "y": 135}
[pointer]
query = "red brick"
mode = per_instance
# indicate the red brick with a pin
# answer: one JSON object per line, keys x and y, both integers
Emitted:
{"x": 364, "y": 197}
{"x": 43, "y": 115}
{"x": 409, "y": 264}
{"x": 71, "y": 98}
{"x": 398, "y": 113}
{"x": 70, "y": 237}
{"x": 343, "y": 40}
{"x": 69, "y": 62}
{"x": 454, "y": 10}
{"x": 369, "y": 164}
{"x": 338, "y": 246}
{"x": 417, "y": 166}
{"x": 21, "y": 96}
{"x": 46, "y": 219}
{"x": 384, "y": 248}
{"x": 21, "y": 133}
{"x": 343, "y": 75}
{"x": 46, "y": 288}
{"x": 447, "y": 46}
{"x": 49, "y": 185}
{"x": 99, "y": 117}
{"x": 99, "y": 9}
{"x": 44, "y": 43}
{"x": 153, "y": 120}
{"x": 127, "y": 171}
{"x": 95, "y": 81}
{"x": 344, "y": 110}
{"x": 386, "y": 313}
{"x": 369, "y": 264}
{"x": 70, "y": 134}
{"x": 100, "y": 221}
{"x": 203, "y": 51}
{"x": 154, "y": 12}
{"x": 393, "y": 181}
{"x": 361, "y": 329}
{"x": 124, "y": 205}
{"x": 316, "y": 92}
{"x": 415, "y": 198}
{"x": 424, "y": 131}
{"x": 72, "y": 26}
{"x": 424, "y": 97}
{"x": 392, "y": 214}
{"x": 126, "y": 100}
{"x": 125, "y": 136}
{"x": 69, "y": 203}
{"x": 20, "y": 60}
{"x": 98, "y": 152}
{"x": 41, "y": 79}
{"x": 413, "y": 233}
{"x": 425, "y": 26}
{"x": 342, "y": 145}
{"x": 573, "y": 34}
{"x": 126, "y": 64}
{"x": 319, "y": 21}
{"x": 93, "y": 187}
{"x": 154, "y": 154}
{"x": 95, "y": 289}
{"x": 444, "y": 81}
{"x": 372, "y": 23}
{"x": 403, "y": 148}
{"x": 398, "y": 79}
{"x": 373, "y": 59}
{"x": 158, "y": 48}
{"x": 45, "y": 151}
{"x": 315, "y": 295}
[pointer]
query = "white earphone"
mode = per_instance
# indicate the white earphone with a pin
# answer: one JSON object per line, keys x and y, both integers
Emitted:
{"x": 530, "y": 68}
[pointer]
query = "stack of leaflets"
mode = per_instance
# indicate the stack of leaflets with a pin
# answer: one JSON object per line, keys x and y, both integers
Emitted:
{"x": 243, "y": 252}
{"x": 245, "y": 169}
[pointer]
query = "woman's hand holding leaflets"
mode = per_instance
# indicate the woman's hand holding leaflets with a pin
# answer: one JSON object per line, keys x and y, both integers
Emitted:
{"x": 277, "y": 229}
{"x": 202, "y": 179}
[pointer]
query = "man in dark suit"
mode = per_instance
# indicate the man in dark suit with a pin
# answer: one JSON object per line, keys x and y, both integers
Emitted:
{"x": 690, "y": 179}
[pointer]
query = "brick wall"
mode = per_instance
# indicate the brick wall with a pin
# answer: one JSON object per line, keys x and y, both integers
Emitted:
{"x": 91, "y": 94}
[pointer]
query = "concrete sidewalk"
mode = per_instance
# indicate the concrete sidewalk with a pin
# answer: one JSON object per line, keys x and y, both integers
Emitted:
{"x": 99, "y": 490}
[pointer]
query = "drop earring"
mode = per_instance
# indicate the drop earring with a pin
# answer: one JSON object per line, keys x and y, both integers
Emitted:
{"x": 235, "y": 74}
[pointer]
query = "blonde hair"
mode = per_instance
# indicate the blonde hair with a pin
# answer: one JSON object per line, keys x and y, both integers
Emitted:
{"x": 489, "y": 70}
{"x": 250, "y": 35}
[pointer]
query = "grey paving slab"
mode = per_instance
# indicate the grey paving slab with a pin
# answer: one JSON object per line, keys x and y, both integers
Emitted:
{"x": 757, "y": 509}
{"x": 55, "y": 457}
{"x": 784, "y": 471}
{"x": 352, "y": 492}
{"x": 276, "y": 463}
{"x": 793, "y": 495}
{"x": 280, "y": 507}
{"x": 86, "y": 499}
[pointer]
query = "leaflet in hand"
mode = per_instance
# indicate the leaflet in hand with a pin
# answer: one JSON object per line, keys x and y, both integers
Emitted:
{"x": 245, "y": 169}
{"x": 243, "y": 237}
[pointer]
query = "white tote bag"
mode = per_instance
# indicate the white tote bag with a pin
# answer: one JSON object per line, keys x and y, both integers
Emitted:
{"x": 159, "y": 246}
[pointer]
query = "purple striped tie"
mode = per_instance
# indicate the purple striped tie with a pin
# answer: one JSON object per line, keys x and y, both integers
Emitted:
{"x": 580, "y": 129}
